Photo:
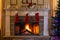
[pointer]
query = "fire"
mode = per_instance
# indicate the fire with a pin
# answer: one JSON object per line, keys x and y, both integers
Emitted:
{"x": 31, "y": 29}
{"x": 27, "y": 27}
{"x": 36, "y": 29}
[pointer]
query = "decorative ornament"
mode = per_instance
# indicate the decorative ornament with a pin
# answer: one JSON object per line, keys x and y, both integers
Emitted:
{"x": 31, "y": 5}
{"x": 16, "y": 17}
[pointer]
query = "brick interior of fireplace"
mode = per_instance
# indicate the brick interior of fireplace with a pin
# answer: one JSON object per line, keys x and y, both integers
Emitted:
{"x": 31, "y": 20}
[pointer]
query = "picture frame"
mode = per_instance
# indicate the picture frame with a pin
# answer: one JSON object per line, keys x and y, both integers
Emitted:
{"x": 13, "y": 2}
{"x": 29, "y": 1}
{"x": 26, "y": 1}
{"x": 40, "y": 2}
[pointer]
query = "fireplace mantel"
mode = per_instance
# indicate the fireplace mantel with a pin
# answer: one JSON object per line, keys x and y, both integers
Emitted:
{"x": 23, "y": 13}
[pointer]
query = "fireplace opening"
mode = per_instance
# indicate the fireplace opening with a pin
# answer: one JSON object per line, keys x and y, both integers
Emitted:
{"x": 32, "y": 29}
{"x": 27, "y": 29}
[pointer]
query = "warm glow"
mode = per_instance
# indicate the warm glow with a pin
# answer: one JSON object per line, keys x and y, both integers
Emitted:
{"x": 27, "y": 27}
{"x": 55, "y": 5}
{"x": 0, "y": 12}
{"x": 55, "y": 2}
{"x": 36, "y": 29}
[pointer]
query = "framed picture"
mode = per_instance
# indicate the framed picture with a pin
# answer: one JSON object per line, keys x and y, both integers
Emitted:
{"x": 13, "y": 2}
{"x": 26, "y": 1}
{"x": 29, "y": 1}
{"x": 40, "y": 1}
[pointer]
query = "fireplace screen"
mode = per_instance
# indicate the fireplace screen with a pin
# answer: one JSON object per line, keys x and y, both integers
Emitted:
{"x": 30, "y": 28}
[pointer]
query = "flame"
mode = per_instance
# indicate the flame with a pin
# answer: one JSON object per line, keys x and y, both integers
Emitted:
{"x": 36, "y": 29}
{"x": 27, "y": 27}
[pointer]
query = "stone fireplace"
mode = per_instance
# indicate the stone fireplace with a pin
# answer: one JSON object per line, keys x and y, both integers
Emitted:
{"x": 25, "y": 31}
{"x": 29, "y": 29}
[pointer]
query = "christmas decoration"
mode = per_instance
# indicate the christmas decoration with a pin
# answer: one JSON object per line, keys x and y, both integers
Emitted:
{"x": 56, "y": 38}
{"x": 31, "y": 5}
{"x": 26, "y": 18}
{"x": 37, "y": 17}
{"x": 17, "y": 26}
{"x": 56, "y": 23}
{"x": 16, "y": 18}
